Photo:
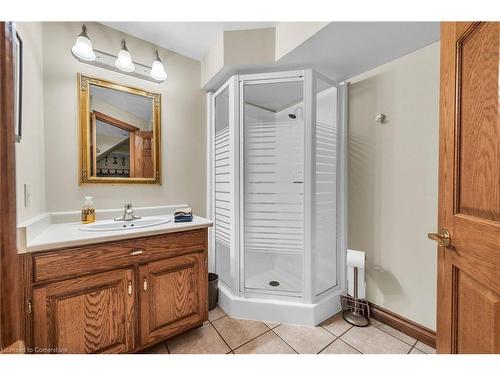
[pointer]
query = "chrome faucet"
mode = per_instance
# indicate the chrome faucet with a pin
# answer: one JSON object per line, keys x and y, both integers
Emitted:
{"x": 128, "y": 213}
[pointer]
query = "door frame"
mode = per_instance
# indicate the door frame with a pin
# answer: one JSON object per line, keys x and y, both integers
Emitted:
{"x": 10, "y": 303}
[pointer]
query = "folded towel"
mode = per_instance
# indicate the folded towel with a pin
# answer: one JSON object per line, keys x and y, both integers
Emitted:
{"x": 183, "y": 219}
{"x": 183, "y": 211}
{"x": 183, "y": 215}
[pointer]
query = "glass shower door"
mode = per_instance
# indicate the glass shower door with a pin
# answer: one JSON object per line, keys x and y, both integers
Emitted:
{"x": 273, "y": 185}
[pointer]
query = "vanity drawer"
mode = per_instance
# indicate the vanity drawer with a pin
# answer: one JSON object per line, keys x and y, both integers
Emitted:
{"x": 63, "y": 264}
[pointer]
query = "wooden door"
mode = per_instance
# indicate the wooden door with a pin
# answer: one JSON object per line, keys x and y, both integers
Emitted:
{"x": 469, "y": 189}
{"x": 142, "y": 155}
{"x": 92, "y": 314}
{"x": 93, "y": 143}
{"x": 173, "y": 296}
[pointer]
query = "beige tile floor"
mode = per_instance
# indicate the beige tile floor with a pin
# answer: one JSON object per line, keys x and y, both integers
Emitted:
{"x": 222, "y": 334}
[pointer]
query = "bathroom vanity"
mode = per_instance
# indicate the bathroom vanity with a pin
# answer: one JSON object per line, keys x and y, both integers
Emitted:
{"x": 127, "y": 281}
{"x": 102, "y": 296}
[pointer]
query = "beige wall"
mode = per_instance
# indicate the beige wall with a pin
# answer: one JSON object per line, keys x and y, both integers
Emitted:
{"x": 30, "y": 157}
{"x": 213, "y": 61}
{"x": 248, "y": 47}
{"x": 183, "y": 128}
{"x": 393, "y": 170}
{"x": 255, "y": 46}
{"x": 239, "y": 47}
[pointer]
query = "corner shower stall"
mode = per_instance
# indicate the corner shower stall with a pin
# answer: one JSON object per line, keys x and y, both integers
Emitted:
{"x": 277, "y": 194}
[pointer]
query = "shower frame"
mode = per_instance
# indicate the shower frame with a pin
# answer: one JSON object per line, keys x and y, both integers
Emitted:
{"x": 308, "y": 308}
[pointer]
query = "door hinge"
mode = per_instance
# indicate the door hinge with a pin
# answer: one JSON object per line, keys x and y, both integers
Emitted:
{"x": 206, "y": 304}
{"x": 129, "y": 288}
{"x": 29, "y": 305}
{"x": 145, "y": 284}
{"x": 206, "y": 262}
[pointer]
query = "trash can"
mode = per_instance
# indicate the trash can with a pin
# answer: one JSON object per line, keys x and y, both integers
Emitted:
{"x": 213, "y": 291}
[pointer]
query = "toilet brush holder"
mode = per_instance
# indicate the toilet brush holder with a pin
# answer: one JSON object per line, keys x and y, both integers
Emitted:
{"x": 355, "y": 310}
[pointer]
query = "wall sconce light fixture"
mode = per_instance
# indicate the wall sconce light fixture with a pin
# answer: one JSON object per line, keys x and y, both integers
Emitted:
{"x": 84, "y": 52}
{"x": 158, "y": 70}
{"x": 83, "y": 46}
{"x": 124, "y": 60}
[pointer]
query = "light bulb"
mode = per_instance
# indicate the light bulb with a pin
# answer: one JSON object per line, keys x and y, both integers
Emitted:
{"x": 158, "y": 70}
{"x": 83, "y": 46}
{"x": 124, "y": 60}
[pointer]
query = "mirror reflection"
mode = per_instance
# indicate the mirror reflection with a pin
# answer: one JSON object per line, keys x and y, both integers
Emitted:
{"x": 119, "y": 133}
{"x": 122, "y": 132}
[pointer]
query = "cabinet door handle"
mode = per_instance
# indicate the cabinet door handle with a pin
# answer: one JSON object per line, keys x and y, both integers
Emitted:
{"x": 129, "y": 288}
{"x": 29, "y": 303}
{"x": 136, "y": 252}
{"x": 145, "y": 284}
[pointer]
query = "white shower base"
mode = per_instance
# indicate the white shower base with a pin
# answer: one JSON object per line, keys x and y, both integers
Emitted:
{"x": 286, "y": 312}
{"x": 264, "y": 267}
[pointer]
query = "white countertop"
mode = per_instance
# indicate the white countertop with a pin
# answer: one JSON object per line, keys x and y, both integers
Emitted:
{"x": 49, "y": 235}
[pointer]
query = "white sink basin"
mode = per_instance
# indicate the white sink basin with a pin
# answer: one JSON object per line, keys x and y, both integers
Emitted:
{"x": 109, "y": 225}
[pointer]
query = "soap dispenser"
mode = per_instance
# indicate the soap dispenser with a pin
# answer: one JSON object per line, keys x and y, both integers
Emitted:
{"x": 88, "y": 211}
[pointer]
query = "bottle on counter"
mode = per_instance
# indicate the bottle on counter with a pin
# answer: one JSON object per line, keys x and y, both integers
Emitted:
{"x": 88, "y": 211}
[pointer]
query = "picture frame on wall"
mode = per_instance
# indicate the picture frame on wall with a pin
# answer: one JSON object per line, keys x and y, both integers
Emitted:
{"x": 17, "y": 55}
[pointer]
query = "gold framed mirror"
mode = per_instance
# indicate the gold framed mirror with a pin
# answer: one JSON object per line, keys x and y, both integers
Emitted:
{"x": 119, "y": 133}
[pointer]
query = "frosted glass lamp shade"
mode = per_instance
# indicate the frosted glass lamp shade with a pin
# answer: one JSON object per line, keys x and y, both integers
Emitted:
{"x": 124, "y": 61}
{"x": 158, "y": 71}
{"x": 83, "y": 48}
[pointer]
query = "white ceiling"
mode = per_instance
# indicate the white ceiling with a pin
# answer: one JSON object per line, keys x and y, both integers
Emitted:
{"x": 275, "y": 96}
{"x": 342, "y": 50}
{"x": 107, "y": 129}
{"x": 138, "y": 105}
{"x": 191, "y": 39}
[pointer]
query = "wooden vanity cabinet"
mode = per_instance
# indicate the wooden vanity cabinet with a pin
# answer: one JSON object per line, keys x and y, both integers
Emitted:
{"x": 90, "y": 314}
{"x": 172, "y": 297}
{"x": 116, "y": 297}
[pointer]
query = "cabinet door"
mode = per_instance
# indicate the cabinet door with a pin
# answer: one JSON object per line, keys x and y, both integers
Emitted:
{"x": 92, "y": 314}
{"x": 173, "y": 296}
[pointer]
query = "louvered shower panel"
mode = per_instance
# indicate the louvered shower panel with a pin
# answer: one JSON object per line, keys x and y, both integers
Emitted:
{"x": 324, "y": 254}
{"x": 223, "y": 211}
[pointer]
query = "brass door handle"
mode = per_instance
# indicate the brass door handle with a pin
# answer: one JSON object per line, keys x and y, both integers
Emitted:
{"x": 443, "y": 238}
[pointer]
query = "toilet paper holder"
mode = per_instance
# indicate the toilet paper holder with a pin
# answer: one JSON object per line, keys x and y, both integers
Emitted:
{"x": 355, "y": 310}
